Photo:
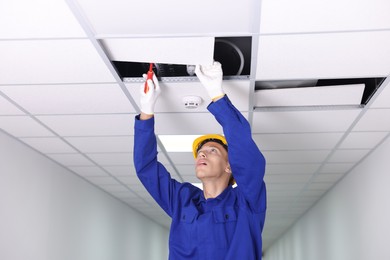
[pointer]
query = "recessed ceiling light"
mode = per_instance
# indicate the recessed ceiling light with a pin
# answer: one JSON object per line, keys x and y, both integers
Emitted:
{"x": 178, "y": 143}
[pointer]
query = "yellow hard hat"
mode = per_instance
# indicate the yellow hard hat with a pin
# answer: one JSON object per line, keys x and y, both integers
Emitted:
{"x": 200, "y": 141}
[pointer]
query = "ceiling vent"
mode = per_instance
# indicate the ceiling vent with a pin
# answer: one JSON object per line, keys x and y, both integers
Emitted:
{"x": 234, "y": 53}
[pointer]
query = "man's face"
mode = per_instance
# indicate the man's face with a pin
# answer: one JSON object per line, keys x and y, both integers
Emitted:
{"x": 212, "y": 162}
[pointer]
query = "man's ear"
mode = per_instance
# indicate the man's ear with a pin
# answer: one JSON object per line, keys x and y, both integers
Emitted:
{"x": 227, "y": 169}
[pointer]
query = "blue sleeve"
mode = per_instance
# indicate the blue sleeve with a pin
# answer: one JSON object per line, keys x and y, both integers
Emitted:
{"x": 152, "y": 173}
{"x": 246, "y": 160}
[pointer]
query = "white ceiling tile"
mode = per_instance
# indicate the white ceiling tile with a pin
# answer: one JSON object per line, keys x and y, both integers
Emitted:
{"x": 6, "y": 108}
{"x": 49, "y": 145}
{"x": 121, "y": 170}
{"x": 54, "y": 61}
{"x": 114, "y": 188}
{"x": 169, "y": 50}
{"x": 191, "y": 179}
{"x": 103, "y": 144}
{"x": 303, "y": 121}
{"x": 362, "y": 140}
{"x": 176, "y": 17}
{"x": 333, "y": 168}
{"x": 310, "y": 96}
{"x": 383, "y": 100}
{"x": 328, "y": 177}
{"x": 71, "y": 159}
{"x": 287, "y": 178}
{"x": 273, "y": 169}
{"x": 70, "y": 99}
{"x": 87, "y": 171}
{"x": 112, "y": 158}
{"x": 284, "y": 186}
{"x": 128, "y": 197}
{"x": 130, "y": 180}
{"x": 297, "y": 141}
{"x": 286, "y": 16}
{"x": 186, "y": 169}
{"x": 308, "y": 156}
{"x": 322, "y": 55}
{"x": 313, "y": 193}
{"x": 347, "y": 156}
{"x": 285, "y": 193}
{"x": 374, "y": 120}
{"x": 172, "y": 93}
{"x": 101, "y": 180}
{"x": 90, "y": 125}
{"x": 38, "y": 19}
{"x": 23, "y": 126}
{"x": 320, "y": 185}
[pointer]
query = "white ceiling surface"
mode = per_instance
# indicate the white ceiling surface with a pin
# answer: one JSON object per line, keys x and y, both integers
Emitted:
{"x": 60, "y": 95}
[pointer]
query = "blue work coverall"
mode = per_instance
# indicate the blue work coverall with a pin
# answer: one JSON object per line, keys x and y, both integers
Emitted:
{"x": 227, "y": 227}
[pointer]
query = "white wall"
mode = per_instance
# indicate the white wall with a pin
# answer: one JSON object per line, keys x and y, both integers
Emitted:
{"x": 352, "y": 221}
{"x": 48, "y": 213}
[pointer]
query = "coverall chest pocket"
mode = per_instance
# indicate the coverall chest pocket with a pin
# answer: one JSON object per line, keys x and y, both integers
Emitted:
{"x": 225, "y": 219}
{"x": 183, "y": 229}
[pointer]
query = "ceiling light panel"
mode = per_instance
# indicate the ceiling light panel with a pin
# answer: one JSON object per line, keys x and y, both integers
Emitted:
{"x": 310, "y": 96}
{"x": 297, "y": 141}
{"x": 168, "y": 17}
{"x": 186, "y": 50}
{"x": 31, "y": 19}
{"x": 303, "y": 121}
{"x": 23, "y": 126}
{"x": 282, "y": 57}
{"x": 90, "y": 125}
{"x": 177, "y": 143}
{"x": 286, "y": 16}
{"x": 187, "y": 123}
{"x": 171, "y": 98}
{"x": 54, "y": 61}
{"x": 70, "y": 99}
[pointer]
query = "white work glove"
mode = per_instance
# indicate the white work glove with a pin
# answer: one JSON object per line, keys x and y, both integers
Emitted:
{"x": 211, "y": 78}
{"x": 148, "y": 99}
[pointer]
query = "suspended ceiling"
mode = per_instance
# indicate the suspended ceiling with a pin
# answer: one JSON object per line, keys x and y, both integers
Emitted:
{"x": 60, "y": 94}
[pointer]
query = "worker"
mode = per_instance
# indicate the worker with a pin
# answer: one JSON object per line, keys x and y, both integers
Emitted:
{"x": 220, "y": 222}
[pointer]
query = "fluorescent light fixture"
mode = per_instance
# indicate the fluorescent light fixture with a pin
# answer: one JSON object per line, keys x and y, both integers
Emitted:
{"x": 310, "y": 96}
{"x": 178, "y": 143}
{"x": 198, "y": 184}
{"x": 177, "y": 50}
